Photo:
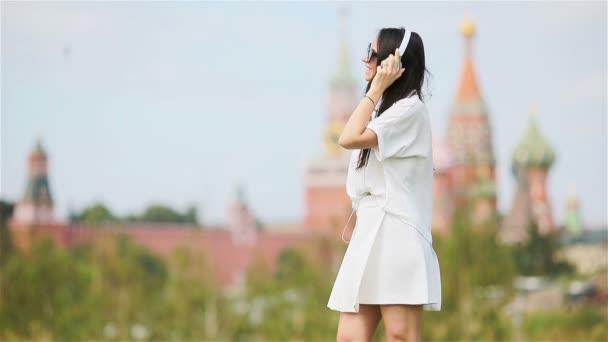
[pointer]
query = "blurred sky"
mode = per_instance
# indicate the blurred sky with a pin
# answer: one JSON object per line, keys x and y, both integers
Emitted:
{"x": 179, "y": 102}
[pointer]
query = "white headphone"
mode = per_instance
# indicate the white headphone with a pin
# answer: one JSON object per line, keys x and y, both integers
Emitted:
{"x": 404, "y": 43}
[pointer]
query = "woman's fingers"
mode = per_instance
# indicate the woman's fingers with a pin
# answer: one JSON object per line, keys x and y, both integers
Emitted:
{"x": 390, "y": 68}
{"x": 392, "y": 64}
{"x": 397, "y": 57}
{"x": 387, "y": 61}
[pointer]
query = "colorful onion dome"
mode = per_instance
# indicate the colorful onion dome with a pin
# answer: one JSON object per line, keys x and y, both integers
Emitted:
{"x": 533, "y": 150}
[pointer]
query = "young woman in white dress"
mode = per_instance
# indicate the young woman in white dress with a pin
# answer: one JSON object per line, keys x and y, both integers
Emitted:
{"x": 390, "y": 270}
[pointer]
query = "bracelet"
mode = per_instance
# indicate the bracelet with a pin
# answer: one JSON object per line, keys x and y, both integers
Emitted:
{"x": 371, "y": 100}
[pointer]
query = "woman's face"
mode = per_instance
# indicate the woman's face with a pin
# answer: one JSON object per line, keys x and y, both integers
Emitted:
{"x": 371, "y": 65}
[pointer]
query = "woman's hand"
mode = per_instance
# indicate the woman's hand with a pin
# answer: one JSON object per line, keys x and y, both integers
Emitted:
{"x": 387, "y": 72}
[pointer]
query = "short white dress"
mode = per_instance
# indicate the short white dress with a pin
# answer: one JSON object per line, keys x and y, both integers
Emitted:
{"x": 390, "y": 257}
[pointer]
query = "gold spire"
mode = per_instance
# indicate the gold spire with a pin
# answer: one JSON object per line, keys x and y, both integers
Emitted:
{"x": 468, "y": 28}
{"x": 468, "y": 90}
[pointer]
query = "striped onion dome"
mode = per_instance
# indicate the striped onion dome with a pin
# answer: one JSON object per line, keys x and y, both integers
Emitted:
{"x": 533, "y": 150}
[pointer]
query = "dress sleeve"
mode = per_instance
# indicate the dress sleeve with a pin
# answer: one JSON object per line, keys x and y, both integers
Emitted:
{"x": 398, "y": 130}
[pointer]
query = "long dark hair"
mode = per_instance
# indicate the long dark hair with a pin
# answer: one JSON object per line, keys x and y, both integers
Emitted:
{"x": 412, "y": 60}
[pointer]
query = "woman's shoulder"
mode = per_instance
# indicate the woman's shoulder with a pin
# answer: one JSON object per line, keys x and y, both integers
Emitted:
{"x": 410, "y": 104}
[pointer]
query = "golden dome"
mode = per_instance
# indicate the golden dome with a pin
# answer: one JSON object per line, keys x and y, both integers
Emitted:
{"x": 468, "y": 27}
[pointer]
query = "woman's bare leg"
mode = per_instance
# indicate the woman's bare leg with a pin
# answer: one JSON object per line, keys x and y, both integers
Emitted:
{"x": 402, "y": 322}
{"x": 358, "y": 326}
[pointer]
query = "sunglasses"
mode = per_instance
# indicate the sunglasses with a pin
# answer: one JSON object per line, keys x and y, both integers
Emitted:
{"x": 371, "y": 53}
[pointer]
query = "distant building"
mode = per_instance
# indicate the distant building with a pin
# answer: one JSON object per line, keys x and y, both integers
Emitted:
{"x": 470, "y": 142}
{"x": 532, "y": 159}
{"x": 230, "y": 249}
{"x": 36, "y": 206}
{"x": 327, "y": 204}
{"x": 465, "y": 175}
{"x": 465, "y": 165}
{"x": 587, "y": 250}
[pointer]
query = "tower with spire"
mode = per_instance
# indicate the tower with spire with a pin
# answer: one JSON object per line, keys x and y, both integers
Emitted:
{"x": 469, "y": 138}
{"x": 36, "y": 206}
{"x": 327, "y": 204}
{"x": 531, "y": 161}
{"x": 242, "y": 223}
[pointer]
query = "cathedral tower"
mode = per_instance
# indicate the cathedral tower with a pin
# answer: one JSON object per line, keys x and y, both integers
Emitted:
{"x": 532, "y": 159}
{"x": 469, "y": 137}
{"x": 327, "y": 204}
{"x": 36, "y": 206}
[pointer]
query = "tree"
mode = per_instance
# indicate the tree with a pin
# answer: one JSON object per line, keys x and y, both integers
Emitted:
{"x": 162, "y": 213}
{"x": 6, "y": 246}
{"x": 95, "y": 214}
{"x": 157, "y": 213}
{"x": 48, "y": 295}
{"x": 476, "y": 276}
{"x": 286, "y": 302}
{"x": 536, "y": 256}
{"x": 129, "y": 281}
{"x": 190, "y": 299}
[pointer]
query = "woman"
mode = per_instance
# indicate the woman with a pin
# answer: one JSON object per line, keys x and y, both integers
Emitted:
{"x": 390, "y": 269}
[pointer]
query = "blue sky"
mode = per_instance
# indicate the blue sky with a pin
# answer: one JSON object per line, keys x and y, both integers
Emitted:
{"x": 179, "y": 102}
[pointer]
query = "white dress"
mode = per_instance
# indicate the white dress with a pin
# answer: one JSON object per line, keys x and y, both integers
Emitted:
{"x": 390, "y": 258}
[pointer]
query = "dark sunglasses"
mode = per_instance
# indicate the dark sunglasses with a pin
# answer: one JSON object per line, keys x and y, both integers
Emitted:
{"x": 371, "y": 53}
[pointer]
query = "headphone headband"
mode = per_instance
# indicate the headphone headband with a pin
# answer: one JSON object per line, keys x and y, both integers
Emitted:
{"x": 404, "y": 42}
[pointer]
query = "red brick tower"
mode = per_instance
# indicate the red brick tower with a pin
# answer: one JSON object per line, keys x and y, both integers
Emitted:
{"x": 469, "y": 137}
{"x": 327, "y": 204}
{"x": 36, "y": 206}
